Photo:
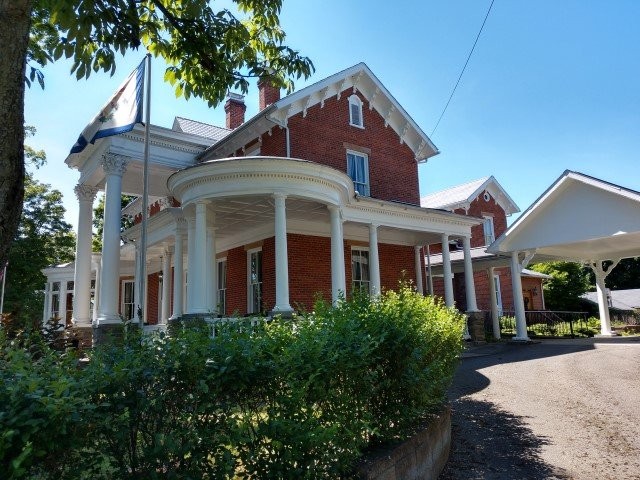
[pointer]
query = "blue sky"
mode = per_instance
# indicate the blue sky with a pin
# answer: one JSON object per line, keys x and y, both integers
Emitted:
{"x": 552, "y": 85}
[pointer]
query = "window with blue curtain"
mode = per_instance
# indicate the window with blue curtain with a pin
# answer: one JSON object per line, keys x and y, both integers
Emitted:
{"x": 358, "y": 170}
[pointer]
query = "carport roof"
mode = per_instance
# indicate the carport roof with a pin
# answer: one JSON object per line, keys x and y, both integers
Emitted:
{"x": 579, "y": 218}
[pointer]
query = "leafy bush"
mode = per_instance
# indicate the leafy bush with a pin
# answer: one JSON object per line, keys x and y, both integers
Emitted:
{"x": 298, "y": 398}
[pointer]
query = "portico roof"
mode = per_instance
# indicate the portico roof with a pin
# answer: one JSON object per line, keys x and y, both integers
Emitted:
{"x": 579, "y": 218}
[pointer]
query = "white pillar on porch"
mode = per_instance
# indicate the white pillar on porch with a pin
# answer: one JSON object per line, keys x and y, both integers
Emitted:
{"x": 63, "y": 302}
{"x": 212, "y": 270}
{"x": 198, "y": 263}
{"x": 114, "y": 167}
{"x": 137, "y": 286}
{"x": 338, "y": 277}
{"x": 191, "y": 259}
{"x": 493, "y": 300}
{"x": 419, "y": 270}
{"x": 446, "y": 272}
{"x": 82, "y": 276}
{"x": 282, "y": 261}
{"x": 429, "y": 274}
{"x": 96, "y": 294}
{"x": 518, "y": 301}
{"x": 374, "y": 260}
{"x": 178, "y": 272}
{"x": 166, "y": 286}
{"x": 469, "y": 284}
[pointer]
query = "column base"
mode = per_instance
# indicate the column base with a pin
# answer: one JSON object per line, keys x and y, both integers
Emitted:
{"x": 606, "y": 335}
{"x": 284, "y": 312}
{"x": 108, "y": 319}
{"x": 108, "y": 333}
{"x": 475, "y": 321}
{"x": 520, "y": 340}
{"x": 84, "y": 335}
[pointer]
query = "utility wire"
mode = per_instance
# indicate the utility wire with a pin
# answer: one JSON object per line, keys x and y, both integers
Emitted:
{"x": 463, "y": 68}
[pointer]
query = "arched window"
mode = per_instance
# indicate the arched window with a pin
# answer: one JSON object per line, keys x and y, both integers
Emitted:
{"x": 355, "y": 111}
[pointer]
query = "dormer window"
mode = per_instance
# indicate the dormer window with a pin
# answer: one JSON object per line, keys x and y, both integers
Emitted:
{"x": 355, "y": 111}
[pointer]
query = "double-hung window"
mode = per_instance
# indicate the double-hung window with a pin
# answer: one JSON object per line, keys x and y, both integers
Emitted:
{"x": 222, "y": 286}
{"x": 128, "y": 299}
{"x": 360, "y": 269}
{"x": 489, "y": 232}
{"x": 358, "y": 170}
{"x": 254, "y": 280}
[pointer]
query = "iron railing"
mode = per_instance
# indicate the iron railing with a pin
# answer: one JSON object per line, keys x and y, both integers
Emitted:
{"x": 547, "y": 323}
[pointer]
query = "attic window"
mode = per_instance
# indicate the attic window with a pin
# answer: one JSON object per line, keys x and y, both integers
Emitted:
{"x": 355, "y": 111}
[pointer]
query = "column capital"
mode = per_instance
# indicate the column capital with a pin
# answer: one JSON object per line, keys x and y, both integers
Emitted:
{"x": 181, "y": 225}
{"x": 114, "y": 164}
{"x": 279, "y": 195}
{"x": 85, "y": 193}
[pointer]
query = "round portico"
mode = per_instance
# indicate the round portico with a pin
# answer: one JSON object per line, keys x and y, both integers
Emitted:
{"x": 258, "y": 197}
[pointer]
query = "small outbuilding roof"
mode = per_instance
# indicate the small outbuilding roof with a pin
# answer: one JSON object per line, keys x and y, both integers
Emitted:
{"x": 620, "y": 299}
{"x": 461, "y": 196}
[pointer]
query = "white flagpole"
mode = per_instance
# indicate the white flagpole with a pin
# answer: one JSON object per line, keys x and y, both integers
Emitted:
{"x": 145, "y": 199}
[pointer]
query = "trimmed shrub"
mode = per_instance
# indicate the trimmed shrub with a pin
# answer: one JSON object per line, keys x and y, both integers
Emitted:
{"x": 300, "y": 398}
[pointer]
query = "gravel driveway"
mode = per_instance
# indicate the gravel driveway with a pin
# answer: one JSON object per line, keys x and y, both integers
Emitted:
{"x": 560, "y": 409}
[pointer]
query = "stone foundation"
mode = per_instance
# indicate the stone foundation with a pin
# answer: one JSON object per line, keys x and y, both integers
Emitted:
{"x": 423, "y": 456}
{"x": 110, "y": 332}
{"x": 84, "y": 336}
{"x": 476, "y": 327}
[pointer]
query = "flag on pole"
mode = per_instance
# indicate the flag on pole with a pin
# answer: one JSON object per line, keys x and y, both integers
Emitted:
{"x": 119, "y": 115}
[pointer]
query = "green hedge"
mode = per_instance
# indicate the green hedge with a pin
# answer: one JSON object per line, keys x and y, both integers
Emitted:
{"x": 298, "y": 398}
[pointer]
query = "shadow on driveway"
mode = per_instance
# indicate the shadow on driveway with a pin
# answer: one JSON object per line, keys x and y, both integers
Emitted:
{"x": 489, "y": 443}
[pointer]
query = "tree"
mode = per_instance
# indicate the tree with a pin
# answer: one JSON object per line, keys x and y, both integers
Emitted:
{"x": 568, "y": 282}
{"x": 98, "y": 220}
{"x": 208, "y": 51}
{"x": 43, "y": 239}
{"x": 624, "y": 276}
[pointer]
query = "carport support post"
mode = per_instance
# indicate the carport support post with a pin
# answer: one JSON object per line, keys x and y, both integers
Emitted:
{"x": 518, "y": 301}
{"x": 601, "y": 291}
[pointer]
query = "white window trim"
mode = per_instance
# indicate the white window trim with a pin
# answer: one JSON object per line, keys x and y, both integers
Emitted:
{"x": 366, "y": 171}
{"x": 488, "y": 240}
{"x": 122, "y": 302}
{"x": 498, "y": 299}
{"x": 355, "y": 100}
{"x": 249, "y": 290}
{"x": 218, "y": 261}
{"x": 360, "y": 249}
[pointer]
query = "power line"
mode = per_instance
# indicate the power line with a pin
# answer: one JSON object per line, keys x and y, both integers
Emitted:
{"x": 463, "y": 68}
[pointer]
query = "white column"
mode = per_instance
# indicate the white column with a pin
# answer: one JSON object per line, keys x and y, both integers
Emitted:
{"x": 495, "y": 315}
{"x": 212, "y": 271}
{"x": 46, "y": 303}
{"x": 374, "y": 260}
{"x": 96, "y": 294}
{"x": 114, "y": 167}
{"x": 198, "y": 263}
{"x": 166, "y": 286}
{"x": 63, "y": 302}
{"x": 419, "y": 269}
{"x": 282, "y": 261}
{"x": 338, "y": 277}
{"x": 429, "y": 275}
{"x": 191, "y": 259}
{"x": 82, "y": 275}
{"x": 469, "y": 284}
{"x": 178, "y": 273}
{"x": 518, "y": 302}
{"x": 446, "y": 272}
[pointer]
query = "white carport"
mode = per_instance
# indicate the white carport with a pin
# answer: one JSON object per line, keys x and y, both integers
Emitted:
{"x": 579, "y": 218}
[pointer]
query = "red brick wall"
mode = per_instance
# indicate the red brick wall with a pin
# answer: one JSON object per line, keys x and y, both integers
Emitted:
{"x": 396, "y": 262}
{"x": 309, "y": 270}
{"x": 269, "y": 274}
{"x": 481, "y": 208}
{"x": 236, "y": 281}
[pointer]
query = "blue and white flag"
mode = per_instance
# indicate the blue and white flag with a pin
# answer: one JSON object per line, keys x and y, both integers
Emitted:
{"x": 119, "y": 115}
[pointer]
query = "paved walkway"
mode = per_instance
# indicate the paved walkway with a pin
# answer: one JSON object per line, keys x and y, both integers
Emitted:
{"x": 560, "y": 409}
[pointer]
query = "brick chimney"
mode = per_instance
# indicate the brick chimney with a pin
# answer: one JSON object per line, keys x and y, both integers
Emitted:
{"x": 235, "y": 108}
{"x": 268, "y": 93}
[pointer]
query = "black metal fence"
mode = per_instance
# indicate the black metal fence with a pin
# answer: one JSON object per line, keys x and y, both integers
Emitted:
{"x": 547, "y": 323}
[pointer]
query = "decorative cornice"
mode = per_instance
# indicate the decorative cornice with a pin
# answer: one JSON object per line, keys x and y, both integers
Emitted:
{"x": 85, "y": 193}
{"x": 114, "y": 164}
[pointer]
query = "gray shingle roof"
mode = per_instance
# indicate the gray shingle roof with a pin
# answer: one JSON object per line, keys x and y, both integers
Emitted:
{"x": 201, "y": 129}
{"x": 452, "y": 196}
{"x": 620, "y": 299}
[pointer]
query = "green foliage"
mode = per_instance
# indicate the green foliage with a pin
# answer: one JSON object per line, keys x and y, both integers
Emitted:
{"x": 43, "y": 238}
{"x": 568, "y": 282}
{"x": 98, "y": 220}
{"x": 295, "y": 398}
{"x": 624, "y": 276}
{"x": 208, "y": 50}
